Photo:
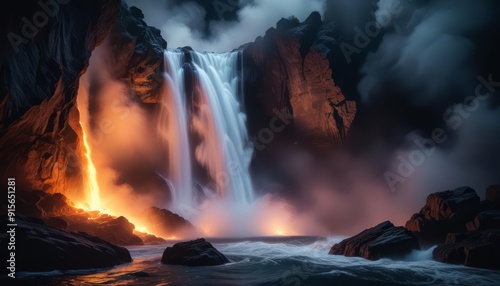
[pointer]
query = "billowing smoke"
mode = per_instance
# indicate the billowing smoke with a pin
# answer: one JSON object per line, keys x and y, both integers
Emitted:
{"x": 423, "y": 86}
{"x": 220, "y": 25}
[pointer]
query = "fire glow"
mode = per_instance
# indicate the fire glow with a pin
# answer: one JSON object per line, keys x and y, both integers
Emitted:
{"x": 91, "y": 185}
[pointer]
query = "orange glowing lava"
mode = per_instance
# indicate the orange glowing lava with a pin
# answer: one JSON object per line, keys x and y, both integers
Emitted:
{"x": 91, "y": 186}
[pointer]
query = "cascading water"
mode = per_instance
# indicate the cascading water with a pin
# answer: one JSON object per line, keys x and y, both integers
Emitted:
{"x": 173, "y": 130}
{"x": 218, "y": 120}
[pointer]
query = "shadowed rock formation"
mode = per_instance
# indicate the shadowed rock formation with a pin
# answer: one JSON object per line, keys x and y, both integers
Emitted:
{"x": 137, "y": 54}
{"x": 43, "y": 248}
{"x": 444, "y": 212}
{"x": 167, "y": 224}
{"x": 382, "y": 241}
{"x": 197, "y": 252}
{"x": 288, "y": 75}
{"x": 476, "y": 249}
{"x": 471, "y": 229}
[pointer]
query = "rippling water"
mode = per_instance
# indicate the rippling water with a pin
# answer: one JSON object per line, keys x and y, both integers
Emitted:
{"x": 273, "y": 261}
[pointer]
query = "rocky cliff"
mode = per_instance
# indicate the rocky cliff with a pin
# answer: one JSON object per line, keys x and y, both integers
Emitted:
{"x": 40, "y": 135}
{"x": 39, "y": 140}
{"x": 288, "y": 75}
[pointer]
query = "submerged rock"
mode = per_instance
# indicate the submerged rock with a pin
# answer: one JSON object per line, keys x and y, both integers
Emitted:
{"x": 382, "y": 241}
{"x": 42, "y": 248}
{"x": 445, "y": 212}
{"x": 478, "y": 249}
{"x": 197, "y": 252}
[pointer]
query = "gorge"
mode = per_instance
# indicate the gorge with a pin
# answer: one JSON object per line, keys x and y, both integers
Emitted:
{"x": 273, "y": 150}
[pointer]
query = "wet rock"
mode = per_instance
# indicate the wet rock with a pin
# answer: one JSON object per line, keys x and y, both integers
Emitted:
{"x": 382, "y": 241}
{"x": 478, "y": 249}
{"x": 445, "y": 212}
{"x": 197, "y": 252}
{"x": 43, "y": 248}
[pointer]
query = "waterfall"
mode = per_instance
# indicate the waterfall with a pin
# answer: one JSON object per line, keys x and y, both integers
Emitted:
{"x": 172, "y": 127}
{"x": 215, "y": 116}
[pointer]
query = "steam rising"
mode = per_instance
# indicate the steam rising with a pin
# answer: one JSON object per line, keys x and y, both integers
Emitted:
{"x": 182, "y": 24}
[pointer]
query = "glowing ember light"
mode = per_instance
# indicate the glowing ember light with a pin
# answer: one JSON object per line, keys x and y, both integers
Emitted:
{"x": 142, "y": 229}
{"x": 91, "y": 185}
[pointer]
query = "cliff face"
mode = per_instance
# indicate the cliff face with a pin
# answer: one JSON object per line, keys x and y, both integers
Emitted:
{"x": 41, "y": 138}
{"x": 39, "y": 142}
{"x": 288, "y": 75}
{"x": 136, "y": 51}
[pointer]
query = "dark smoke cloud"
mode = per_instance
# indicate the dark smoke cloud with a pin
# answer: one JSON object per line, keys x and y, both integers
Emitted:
{"x": 431, "y": 53}
{"x": 220, "y": 25}
{"x": 429, "y": 60}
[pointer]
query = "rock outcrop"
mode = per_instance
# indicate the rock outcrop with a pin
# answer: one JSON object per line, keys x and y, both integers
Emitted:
{"x": 288, "y": 75}
{"x": 445, "y": 212}
{"x": 43, "y": 248}
{"x": 168, "y": 224}
{"x": 197, "y": 252}
{"x": 476, "y": 249}
{"x": 471, "y": 229}
{"x": 382, "y": 241}
{"x": 137, "y": 54}
{"x": 57, "y": 211}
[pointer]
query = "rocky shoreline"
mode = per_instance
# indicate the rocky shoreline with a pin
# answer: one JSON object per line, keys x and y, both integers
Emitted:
{"x": 465, "y": 230}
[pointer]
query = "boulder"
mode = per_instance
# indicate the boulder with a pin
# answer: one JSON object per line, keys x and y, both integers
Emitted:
{"x": 445, "y": 212}
{"x": 478, "y": 249}
{"x": 197, "y": 252}
{"x": 43, "y": 248}
{"x": 382, "y": 241}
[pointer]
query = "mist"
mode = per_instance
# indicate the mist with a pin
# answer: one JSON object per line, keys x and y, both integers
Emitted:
{"x": 185, "y": 23}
